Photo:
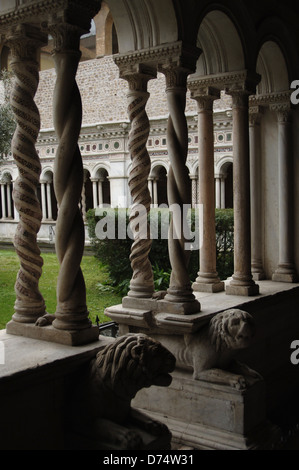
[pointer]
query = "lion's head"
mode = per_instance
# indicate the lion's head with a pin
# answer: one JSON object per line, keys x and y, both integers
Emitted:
{"x": 134, "y": 361}
{"x": 232, "y": 329}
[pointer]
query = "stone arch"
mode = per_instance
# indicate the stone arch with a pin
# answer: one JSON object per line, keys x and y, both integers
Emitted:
{"x": 158, "y": 184}
{"x": 101, "y": 185}
{"x": 46, "y": 195}
{"x": 141, "y": 24}
{"x": 106, "y": 37}
{"x": 221, "y": 45}
{"x": 6, "y": 206}
{"x": 275, "y": 43}
{"x": 224, "y": 183}
{"x": 272, "y": 67}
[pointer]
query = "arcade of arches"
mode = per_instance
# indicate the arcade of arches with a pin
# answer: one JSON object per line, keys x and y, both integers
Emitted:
{"x": 150, "y": 102}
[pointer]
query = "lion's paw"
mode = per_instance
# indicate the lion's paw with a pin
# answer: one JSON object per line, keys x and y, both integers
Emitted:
{"x": 45, "y": 320}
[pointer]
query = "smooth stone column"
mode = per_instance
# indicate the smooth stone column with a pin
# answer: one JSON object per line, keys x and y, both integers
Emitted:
{"x": 43, "y": 199}
{"x": 9, "y": 201}
{"x": 49, "y": 201}
{"x": 3, "y": 198}
{"x": 222, "y": 188}
{"x": 95, "y": 193}
{"x": 155, "y": 185}
{"x": 285, "y": 271}
{"x": 207, "y": 280}
{"x": 100, "y": 192}
{"x": 242, "y": 282}
{"x": 218, "y": 192}
{"x": 255, "y": 193}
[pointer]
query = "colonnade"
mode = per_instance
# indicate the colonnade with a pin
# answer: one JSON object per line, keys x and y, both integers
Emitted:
{"x": 72, "y": 316}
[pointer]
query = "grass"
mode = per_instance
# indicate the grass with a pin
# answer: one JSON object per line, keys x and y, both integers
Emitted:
{"x": 94, "y": 273}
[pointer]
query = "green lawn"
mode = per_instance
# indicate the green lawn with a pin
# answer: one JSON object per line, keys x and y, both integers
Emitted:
{"x": 94, "y": 273}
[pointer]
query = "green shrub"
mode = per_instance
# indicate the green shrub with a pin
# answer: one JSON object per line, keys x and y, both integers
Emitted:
{"x": 115, "y": 253}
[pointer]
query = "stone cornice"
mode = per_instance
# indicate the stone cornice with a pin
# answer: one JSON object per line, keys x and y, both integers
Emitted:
{"x": 38, "y": 12}
{"x": 239, "y": 81}
{"x": 174, "y": 54}
{"x": 282, "y": 98}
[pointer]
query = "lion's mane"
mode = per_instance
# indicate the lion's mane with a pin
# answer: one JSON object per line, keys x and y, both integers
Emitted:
{"x": 232, "y": 329}
{"x": 132, "y": 362}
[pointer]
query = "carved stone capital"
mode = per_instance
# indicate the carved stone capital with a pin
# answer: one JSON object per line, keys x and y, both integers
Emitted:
{"x": 255, "y": 114}
{"x": 198, "y": 90}
{"x": 283, "y": 110}
{"x": 66, "y": 37}
{"x": 137, "y": 76}
{"x": 176, "y": 77}
{"x": 24, "y": 42}
{"x": 204, "y": 95}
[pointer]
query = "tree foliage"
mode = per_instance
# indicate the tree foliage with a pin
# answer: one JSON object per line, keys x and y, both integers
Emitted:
{"x": 7, "y": 121}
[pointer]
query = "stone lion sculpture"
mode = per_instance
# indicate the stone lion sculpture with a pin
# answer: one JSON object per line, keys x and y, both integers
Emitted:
{"x": 101, "y": 404}
{"x": 215, "y": 345}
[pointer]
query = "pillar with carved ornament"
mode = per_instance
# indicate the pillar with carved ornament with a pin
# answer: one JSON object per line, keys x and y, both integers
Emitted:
{"x": 71, "y": 312}
{"x": 24, "y": 43}
{"x": 207, "y": 279}
{"x": 142, "y": 281}
{"x": 242, "y": 282}
{"x": 285, "y": 271}
{"x": 178, "y": 189}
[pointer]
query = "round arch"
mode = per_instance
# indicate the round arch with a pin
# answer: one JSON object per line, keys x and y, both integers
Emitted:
{"x": 221, "y": 45}
{"x": 99, "y": 169}
{"x": 275, "y": 43}
{"x": 156, "y": 165}
{"x": 272, "y": 67}
{"x": 224, "y": 183}
{"x": 141, "y": 24}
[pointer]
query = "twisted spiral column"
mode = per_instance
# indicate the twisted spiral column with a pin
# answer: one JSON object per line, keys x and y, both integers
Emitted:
{"x": 142, "y": 284}
{"x": 29, "y": 303}
{"x": 178, "y": 184}
{"x": 71, "y": 312}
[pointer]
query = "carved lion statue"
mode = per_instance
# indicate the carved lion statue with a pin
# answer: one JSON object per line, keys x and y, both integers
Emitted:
{"x": 101, "y": 404}
{"x": 214, "y": 345}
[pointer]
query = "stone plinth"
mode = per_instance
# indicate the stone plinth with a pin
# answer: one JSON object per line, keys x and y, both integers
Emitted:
{"x": 221, "y": 411}
{"x": 251, "y": 290}
{"x": 49, "y": 333}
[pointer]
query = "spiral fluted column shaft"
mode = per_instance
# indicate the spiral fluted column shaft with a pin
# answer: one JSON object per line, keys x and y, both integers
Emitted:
{"x": 29, "y": 303}
{"x": 141, "y": 284}
{"x": 71, "y": 312}
{"x": 178, "y": 186}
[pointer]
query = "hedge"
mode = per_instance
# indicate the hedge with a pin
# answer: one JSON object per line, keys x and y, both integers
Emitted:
{"x": 115, "y": 252}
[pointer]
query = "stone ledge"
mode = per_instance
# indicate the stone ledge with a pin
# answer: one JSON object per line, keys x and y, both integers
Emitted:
{"x": 26, "y": 357}
{"x": 49, "y": 333}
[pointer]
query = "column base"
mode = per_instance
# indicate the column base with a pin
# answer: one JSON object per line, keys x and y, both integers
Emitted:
{"x": 284, "y": 277}
{"x": 179, "y": 308}
{"x": 258, "y": 276}
{"x": 202, "y": 286}
{"x": 248, "y": 291}
{"x": 162, "y": 305}
{"x": 51, "y": 334}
